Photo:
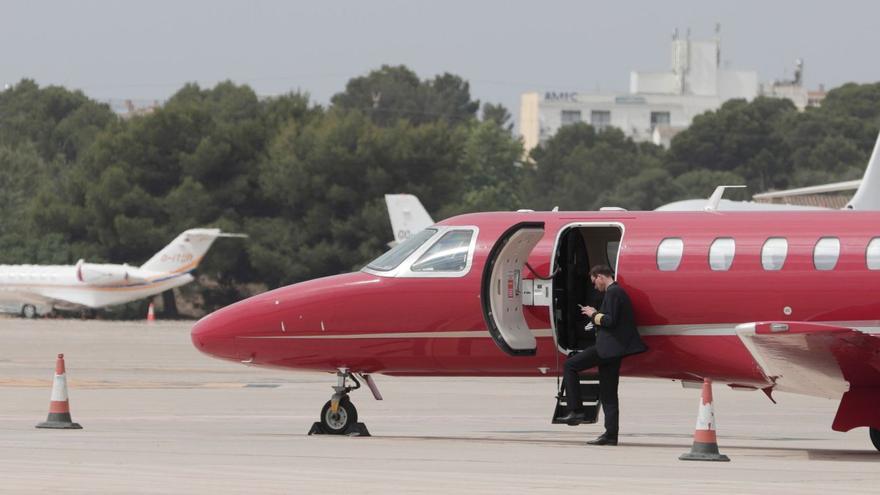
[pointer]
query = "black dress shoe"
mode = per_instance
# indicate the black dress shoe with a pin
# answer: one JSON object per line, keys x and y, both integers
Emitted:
{"x": 603, "y": 440}
{"x": 574, "y": 418}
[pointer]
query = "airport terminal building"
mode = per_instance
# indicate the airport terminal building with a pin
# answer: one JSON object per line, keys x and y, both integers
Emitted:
{"x": 658, "y": 104}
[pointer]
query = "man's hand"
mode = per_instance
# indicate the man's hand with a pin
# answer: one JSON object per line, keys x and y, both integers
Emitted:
{"x": 589, "y": 311}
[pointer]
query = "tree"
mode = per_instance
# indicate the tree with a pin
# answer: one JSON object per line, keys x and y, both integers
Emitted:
{"x": 493, "y": 173}
{"x": 58, "y": 122}
{"x": 327, "y": 179}
{"x": 741, "y": 137}
{"x": 651, "y": 187}
{"x": 498, "y": 114}
{"x": 392, "y": 93}
{"x": 861, "y": 101}
{"x": 306, "y": 183}
{"x": 577, "y": 168}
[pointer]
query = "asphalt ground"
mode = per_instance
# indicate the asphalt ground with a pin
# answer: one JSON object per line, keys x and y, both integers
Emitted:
{"x": 159, "y": 417}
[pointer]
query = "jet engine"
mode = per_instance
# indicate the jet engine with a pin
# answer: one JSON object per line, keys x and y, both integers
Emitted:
{"x": 99, "y": 274}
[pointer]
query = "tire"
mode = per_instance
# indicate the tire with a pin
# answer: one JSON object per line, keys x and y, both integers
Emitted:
{"x": 875, "y": 438}
{"x": 29, "y": 311}
{"x": 346, "y": 416}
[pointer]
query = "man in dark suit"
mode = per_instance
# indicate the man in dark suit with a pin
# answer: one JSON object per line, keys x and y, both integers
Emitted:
{"x": 616, "y": 337}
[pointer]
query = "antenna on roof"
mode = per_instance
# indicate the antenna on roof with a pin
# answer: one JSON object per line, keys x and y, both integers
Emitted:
{"x": 715, "y": 198}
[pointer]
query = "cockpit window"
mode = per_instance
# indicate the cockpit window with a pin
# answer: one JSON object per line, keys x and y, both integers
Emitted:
{"x": 448, "y": 254}
{"x": 395, "y": 256}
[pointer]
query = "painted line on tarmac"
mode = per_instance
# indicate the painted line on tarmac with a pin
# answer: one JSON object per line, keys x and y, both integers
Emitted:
{"x": 101, "y": 385}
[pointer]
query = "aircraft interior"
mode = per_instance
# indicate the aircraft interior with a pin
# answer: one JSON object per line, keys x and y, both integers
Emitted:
{"x": 580, "y": 248}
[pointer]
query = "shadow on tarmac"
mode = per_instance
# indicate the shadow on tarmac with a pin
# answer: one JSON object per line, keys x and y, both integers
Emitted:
{"x": 867, "y": 455}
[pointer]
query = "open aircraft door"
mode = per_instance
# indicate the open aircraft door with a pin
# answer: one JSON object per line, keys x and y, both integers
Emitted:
{"x": 502, "y": 287}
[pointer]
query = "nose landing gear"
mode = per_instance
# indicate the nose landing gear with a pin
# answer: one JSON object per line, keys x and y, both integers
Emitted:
{"x": 339, "y": 416}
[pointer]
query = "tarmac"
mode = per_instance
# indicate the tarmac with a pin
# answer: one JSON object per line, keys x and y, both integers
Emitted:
{"x": 159, "y": 417}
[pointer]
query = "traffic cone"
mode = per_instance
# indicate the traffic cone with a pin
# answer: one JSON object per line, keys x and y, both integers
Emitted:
{"x": 59, "y": 406}
{"x": 151, "y": 314}
{"x": 705, "y": 446}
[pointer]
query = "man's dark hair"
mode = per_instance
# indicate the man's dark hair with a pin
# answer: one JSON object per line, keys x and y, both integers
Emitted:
{"x": 601, "y": 270}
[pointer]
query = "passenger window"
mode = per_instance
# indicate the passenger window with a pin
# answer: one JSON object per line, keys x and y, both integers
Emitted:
{"x": 448, "y": 254}
{"x": 826, "y": 252}
{"x": 669, "y": 254}
{"x": 721, "y": 254}
{"x": 773, "y": 253}
{"x": 873, "y": 254}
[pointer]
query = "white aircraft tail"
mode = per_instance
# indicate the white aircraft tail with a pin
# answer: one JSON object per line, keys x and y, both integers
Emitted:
{"x": 407, "y": 214}
{"x": 185, "y": 251}
{"x": 867, "y": 196}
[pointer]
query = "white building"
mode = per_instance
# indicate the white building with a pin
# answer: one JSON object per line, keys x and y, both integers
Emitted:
{"x": 658, "y": 105}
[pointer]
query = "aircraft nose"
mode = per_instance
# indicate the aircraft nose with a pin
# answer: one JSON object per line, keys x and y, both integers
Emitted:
{"x": 212, "y": 336}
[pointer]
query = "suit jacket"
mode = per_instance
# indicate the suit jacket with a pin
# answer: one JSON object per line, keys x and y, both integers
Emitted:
{"x": 615, "y": 322}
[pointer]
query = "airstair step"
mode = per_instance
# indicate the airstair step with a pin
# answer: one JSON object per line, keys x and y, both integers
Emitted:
{"x": 590, "y": 401}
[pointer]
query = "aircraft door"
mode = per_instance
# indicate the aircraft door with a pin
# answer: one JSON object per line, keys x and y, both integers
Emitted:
{"x": 579, "y": 247}
{"x": 501, "y": 291}
{"x": 572, "y": 288}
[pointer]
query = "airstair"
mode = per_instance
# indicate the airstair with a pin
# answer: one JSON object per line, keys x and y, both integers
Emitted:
{"x": 590, "y": 400}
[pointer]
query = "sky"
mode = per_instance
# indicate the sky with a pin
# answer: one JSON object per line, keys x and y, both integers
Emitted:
{"x": 147, "y": 50}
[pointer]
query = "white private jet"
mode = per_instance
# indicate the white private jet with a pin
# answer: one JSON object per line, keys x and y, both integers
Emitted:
{"x": 32, "y": 290}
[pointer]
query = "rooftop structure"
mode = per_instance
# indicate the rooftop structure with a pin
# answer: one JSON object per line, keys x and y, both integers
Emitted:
{"x": 659, "y": 104}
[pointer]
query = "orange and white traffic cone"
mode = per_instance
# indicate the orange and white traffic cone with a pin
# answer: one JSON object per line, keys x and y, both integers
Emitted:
{"x": 151, "y": 314}
{"x": 705, "y": 446}
{"x": 59, "y": 406}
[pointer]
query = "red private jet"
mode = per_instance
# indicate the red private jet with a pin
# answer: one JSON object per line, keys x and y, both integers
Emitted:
{"x": 759, "y": 300}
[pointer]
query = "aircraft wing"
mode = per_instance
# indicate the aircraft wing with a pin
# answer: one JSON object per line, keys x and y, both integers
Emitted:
{"x": 729, "y": 205}
{"x": 29, "y": 297}
{"x": 811, "y": 358}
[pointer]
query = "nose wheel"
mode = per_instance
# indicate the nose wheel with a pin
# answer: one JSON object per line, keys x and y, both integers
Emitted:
{"x": 336, "y": 423}
{"x": 339, "y": 416}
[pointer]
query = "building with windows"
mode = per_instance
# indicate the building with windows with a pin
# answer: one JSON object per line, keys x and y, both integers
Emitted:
{"x": 658, "y": 104}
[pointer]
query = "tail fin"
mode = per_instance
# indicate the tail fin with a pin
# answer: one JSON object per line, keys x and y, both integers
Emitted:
{"x": 407, "y": 214}
{"x": 867, "y": 197}
{"x": 185, "y": 251}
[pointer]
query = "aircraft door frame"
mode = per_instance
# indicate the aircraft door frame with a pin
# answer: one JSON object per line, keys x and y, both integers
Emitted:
{"x": 553, "y": 260}
{"x": 501, "y": 289}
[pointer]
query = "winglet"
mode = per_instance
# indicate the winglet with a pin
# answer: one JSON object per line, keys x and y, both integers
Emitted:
{"x": 715, "y": 198}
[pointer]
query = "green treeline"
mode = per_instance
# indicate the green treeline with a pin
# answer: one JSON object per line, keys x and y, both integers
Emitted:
{"x": 306, "y": 182}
